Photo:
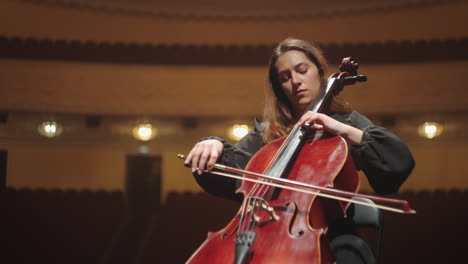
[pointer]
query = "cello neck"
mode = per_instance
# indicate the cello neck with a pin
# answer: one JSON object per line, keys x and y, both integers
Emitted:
{"x": 318, "y": 104}
{"x": 296, "y": 138}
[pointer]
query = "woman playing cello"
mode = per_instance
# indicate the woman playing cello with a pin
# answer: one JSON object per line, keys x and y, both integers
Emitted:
{"x": 296, "y": 75}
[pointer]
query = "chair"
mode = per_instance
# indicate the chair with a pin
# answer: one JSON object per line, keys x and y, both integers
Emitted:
{"x": 347, "y": 243}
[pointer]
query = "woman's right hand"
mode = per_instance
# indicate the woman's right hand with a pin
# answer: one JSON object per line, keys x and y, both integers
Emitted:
{"x": 204, "y": 155}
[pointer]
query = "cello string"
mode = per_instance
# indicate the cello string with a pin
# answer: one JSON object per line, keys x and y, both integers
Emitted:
{"x": 261, "y": 188}
{"x": 258, "y": 190}
{"x": 243, "y": 214}
{"x": 242, "y": 217}
{"x": 245, "y": 211}
{"x": 251, "y": 199}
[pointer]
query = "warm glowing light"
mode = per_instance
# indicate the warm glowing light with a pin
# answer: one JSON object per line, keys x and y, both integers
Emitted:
{"x": 144, "y": 132}
{"x": 430, "y": 130}
{"x": 50, "y": 129}
{"x": 238, "y": 131}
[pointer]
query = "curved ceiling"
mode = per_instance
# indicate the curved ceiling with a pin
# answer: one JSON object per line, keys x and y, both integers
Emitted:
{"x": 240, "y": 9}
{"x": 211, "y": 22}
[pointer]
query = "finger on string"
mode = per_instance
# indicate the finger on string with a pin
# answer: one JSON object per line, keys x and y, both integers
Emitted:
{"x": 303, "y": 121}
{"x": 317, "y": 126}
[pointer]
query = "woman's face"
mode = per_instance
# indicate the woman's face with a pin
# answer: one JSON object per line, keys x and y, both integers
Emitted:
{"x": 299, "y": 79}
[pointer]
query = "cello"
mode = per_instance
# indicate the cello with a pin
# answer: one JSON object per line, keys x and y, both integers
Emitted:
{"x": 284, "y": 216}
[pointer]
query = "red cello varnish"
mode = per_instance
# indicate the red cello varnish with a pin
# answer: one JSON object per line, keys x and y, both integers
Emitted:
{"x": 293, "y": 187}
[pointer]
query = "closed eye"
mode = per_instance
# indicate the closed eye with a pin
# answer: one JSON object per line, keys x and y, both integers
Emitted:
{"x": 302, "y": 68}
{"x": 284, "y": 76}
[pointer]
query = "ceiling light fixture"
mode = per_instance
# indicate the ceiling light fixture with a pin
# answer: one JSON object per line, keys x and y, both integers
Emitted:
{"x": 50, "y": 129}
{"x": 144, "y": 132}
{"x": 430, "y": 130}
{"x": 236, "y": 132}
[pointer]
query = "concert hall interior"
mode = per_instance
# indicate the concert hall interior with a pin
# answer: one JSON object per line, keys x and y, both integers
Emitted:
{"x": 78, "y": 78}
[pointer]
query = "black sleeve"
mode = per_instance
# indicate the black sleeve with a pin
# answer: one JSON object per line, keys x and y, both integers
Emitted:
{"x": 382, "y": 156}
{"x": 237, "y": 156}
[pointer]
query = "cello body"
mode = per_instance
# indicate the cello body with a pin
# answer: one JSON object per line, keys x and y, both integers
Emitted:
{"x": 295, "y": 231}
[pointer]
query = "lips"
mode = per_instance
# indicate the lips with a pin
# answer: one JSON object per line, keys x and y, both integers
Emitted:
{"x": 301, "y": 92}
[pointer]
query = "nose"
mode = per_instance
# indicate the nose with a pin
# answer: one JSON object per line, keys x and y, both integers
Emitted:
{"x": 295, "y": 79}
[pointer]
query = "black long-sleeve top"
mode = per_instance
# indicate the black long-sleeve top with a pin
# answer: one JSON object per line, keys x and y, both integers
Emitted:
{"x": 381, "y": 155}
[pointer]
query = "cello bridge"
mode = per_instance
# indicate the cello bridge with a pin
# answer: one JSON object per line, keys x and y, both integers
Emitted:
{"x": 257, "y": 204}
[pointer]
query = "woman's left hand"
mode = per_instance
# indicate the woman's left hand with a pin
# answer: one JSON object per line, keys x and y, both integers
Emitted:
{"x": 320, "y": 121}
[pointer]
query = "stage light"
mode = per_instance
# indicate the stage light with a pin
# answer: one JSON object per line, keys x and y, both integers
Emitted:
{"x": 50, "y": 129}
{"x": 430, "y": 130}
{"x": 144, "y": 132}
{"x": 236, "y": 132}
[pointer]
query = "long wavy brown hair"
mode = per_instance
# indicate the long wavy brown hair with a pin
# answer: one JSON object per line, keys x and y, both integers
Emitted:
{"x": 278, "y": 113}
